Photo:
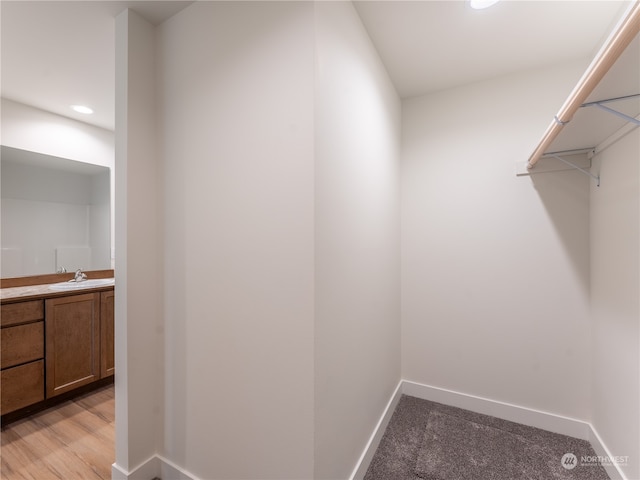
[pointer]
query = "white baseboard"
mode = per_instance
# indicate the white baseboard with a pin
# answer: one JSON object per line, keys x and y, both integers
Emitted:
{"x": 117, "y": 473}
{"x": 613, "y": 470}
{"x": 155, "y": 467}
{"x": 372, "y": 445}
{"x": 158, "y": 466}
{"x": 145, "y": 471}
{"x": 526, "y": 416}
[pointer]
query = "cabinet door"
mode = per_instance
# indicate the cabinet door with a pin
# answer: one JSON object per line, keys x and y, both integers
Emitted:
{"x": 107, "y": 330}
{"x": 72, "y": 342}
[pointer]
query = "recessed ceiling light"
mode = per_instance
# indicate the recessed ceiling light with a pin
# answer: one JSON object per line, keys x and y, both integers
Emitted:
{"x": 82, "y": 109}
{"x": 480, "y": 4}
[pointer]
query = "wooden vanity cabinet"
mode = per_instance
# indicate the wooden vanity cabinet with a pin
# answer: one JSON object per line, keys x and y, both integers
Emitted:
{"x": 73, "y": 342}
{"x": 21, "y": 354}
{"x": 107, "y": 334}
{"x": 54, "y": 345}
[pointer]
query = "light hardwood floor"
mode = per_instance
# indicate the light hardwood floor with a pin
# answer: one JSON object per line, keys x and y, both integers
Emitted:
{"x": 74, "y": 440}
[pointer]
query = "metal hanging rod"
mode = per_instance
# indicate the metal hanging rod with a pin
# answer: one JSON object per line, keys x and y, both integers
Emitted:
{"x": 619, "y": 39}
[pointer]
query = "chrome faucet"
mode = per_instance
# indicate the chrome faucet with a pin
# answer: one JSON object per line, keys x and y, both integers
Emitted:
{"x": 79, "y": 277}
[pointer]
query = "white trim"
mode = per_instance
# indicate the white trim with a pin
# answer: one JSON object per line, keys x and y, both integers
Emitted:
{"x": 526, "y": 416}
{"x": 168, "y": 469}
{"x": 145, "y": 471}
{"x": 156, "y": 466}
{"x": 117, "y": 473}
{"x": 613, "y": 469}
{"x": 372, "y": 445}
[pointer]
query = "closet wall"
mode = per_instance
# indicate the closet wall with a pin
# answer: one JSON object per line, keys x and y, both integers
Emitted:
{"x": 237, "y": 144}
{"x": 280, "y": 336}
{"x": 495, "y": 268}
{"x": 615, "y": 287}
{"x": 280, "y": 144}
{"x": 357, "y": 282}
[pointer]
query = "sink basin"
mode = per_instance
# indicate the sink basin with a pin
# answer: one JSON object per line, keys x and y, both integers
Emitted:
{"x": 92, "y": 283}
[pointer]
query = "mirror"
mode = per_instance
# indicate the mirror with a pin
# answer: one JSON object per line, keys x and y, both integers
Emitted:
{"x": 55, "y": 214}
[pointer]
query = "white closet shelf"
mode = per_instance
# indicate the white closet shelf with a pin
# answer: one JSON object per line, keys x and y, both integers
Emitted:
{"x": 602, "y": 108}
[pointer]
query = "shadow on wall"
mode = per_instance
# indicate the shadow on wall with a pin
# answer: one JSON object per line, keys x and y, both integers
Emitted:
{"x": 565, "y": 196}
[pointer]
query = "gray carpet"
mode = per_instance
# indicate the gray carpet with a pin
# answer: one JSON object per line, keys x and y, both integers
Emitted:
{"x": 429, "y": 441}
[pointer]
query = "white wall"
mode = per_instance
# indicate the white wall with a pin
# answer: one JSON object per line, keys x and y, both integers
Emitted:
{"x": 32, "y": 233}
{"x": 357, "y": 325}
{"x": 495, "y": 268}
{"x": 101, "y": 219}
{"x": 282, "y": 241}
{"x": 35, "y": 130}
{"x": 237, "y": 139}
{"x": 279, "y": 147}
{"x": 139, "y": 269}
{"x": 615, "y": 287}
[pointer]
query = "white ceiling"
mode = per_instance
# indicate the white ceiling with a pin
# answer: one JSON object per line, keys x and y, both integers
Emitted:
{"x": 432, "y": 45}
{"x": 55, "y": 54}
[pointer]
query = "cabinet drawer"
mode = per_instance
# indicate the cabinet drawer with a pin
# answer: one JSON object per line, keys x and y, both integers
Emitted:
{"x": 21, "y": 386}
{"x": 21, "y": 344}
{"x": 21, "y": 312}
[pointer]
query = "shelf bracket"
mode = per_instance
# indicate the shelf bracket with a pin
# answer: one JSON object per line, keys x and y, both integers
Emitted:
{"x": 586, "y": 172}
{"x": 600, "y": 104}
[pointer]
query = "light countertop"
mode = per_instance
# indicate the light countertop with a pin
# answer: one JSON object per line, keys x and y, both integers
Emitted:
{"x": 44, "y": 291}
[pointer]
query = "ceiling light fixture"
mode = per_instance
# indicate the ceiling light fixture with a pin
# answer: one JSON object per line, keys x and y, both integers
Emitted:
{"x": 481, "y": 4}
{"x": 82, "y": 109}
